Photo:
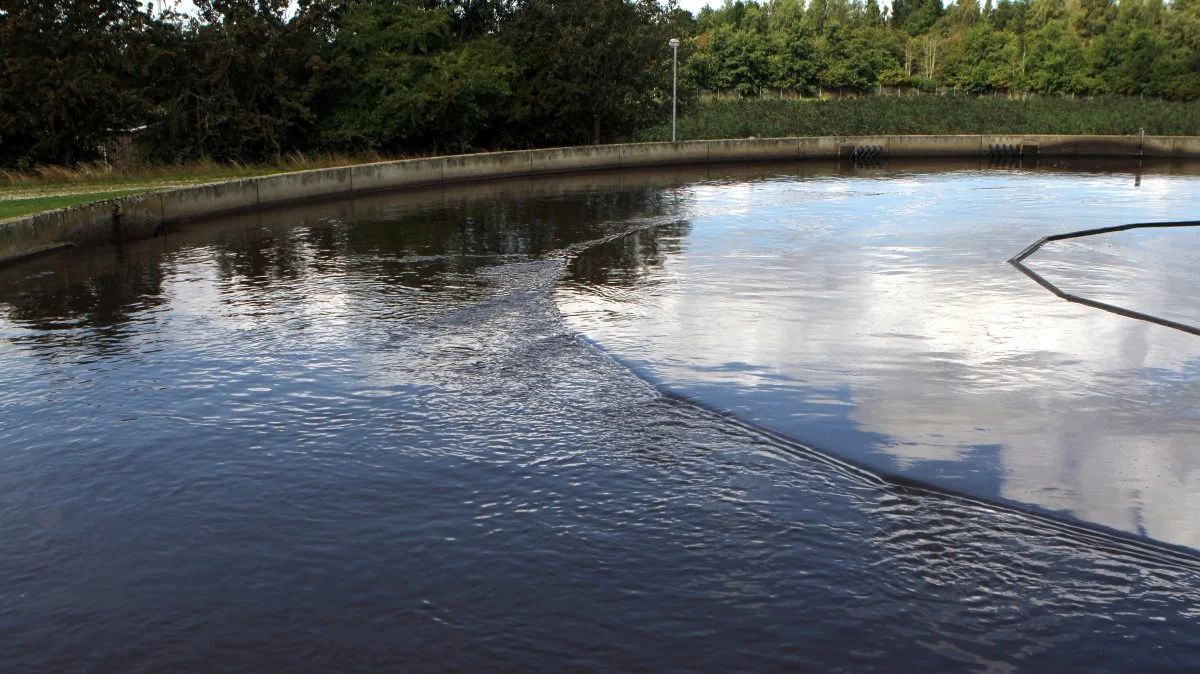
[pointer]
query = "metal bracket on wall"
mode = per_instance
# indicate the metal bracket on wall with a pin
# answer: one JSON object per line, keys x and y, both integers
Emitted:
{"x": 1004, "y": 151}
{"x": 862, "y": 154}
{"x": 1012, "y": 151}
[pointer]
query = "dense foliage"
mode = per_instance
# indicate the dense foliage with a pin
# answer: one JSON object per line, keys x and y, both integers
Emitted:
{"x": 1065, "y": 47}
{"x": 882, "y": 115}
{"x": 251, "y": 80}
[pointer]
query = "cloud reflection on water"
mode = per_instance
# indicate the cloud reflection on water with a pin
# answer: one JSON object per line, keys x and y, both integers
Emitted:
{"x": 874, "y": 316}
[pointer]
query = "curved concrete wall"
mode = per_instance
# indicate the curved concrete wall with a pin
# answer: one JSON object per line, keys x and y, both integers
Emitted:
{"x": 143, "y": 216}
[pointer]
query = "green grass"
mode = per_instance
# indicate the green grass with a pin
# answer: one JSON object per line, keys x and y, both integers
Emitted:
{"x": 13, "y": 208}
{"x": 880, "y": 115}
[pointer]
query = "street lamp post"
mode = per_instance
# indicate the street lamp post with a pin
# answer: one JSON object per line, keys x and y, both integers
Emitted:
{"x": 674, "y": 82}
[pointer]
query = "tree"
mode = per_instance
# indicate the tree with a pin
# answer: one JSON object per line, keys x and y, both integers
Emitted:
{"x": 985, "y": 62}
{"x": 247, "y": 77}
{"x": 1131, "y": 57}
{"x": 794, "y": 60}
{"x": 407, "y": 80}
{"x": 588, "y": 69}
{"x": 854, "y": 58}
{"x": 916, "y": 16}
{"x": 69, "y": 76}
{"x": 1056, "y": 61}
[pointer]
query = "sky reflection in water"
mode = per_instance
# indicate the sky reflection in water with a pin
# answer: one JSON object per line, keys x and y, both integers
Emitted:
{"x": 874, "y": 316}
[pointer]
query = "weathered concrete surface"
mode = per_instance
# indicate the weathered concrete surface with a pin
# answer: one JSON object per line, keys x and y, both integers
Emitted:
{"x": 1186, "y": 146}
{"x": 285, "y": 188}
{"x": 484, "y": 166}
{"x": 759, "y": 149}
{"x": 934, "y": 146}
{"x": 392, "y": 175}
{"x": 1052, "y": 146}
{"x": 1107, "y": 146}
{"x": 91, "y": 224}
{"x": 114, "y": 220}
{"x": 192, "y": 203}
{"x": 31, "y": 235}
{"x": 570, "y": 159}
{"x": 142, "y": 216}
{"x": 664, "y": 154}
{"x": 139, "y": 216}
{"x": 989, "y": 141}
{"x": 1086, "y": 146}
{"x": 856, "y": 141}
{"x": 1157, "y": 146}
{"x": 1049, "y": 146}
{"x": 818, "y": 147}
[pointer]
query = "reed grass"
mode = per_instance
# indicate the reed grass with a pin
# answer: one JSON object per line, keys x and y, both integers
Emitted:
{"x": 48, "y": 187}
{"x": 99, "y": 173}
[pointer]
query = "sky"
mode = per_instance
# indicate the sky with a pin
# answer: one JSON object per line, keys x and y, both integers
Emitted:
{"x": 694, "y": 6}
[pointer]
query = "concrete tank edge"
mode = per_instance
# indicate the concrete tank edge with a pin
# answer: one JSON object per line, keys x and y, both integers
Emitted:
{"x": 101, "y": 221}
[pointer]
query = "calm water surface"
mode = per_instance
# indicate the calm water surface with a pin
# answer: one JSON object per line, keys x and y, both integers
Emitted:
{"x": 875, "y": 317}
{"x": 403, "y": 433}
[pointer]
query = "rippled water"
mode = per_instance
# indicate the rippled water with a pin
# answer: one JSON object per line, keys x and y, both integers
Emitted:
{"x": 369, "y": 436}
{"x": 875, "y": 317}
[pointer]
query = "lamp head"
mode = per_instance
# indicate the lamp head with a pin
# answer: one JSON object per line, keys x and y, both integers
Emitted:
{"x": 674, "y": 42}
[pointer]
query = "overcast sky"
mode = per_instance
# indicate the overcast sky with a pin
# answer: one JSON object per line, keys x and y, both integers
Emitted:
{"x": 694, "y": 6}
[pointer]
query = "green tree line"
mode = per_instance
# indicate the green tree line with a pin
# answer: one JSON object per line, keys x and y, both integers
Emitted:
{"x": 251, "y": 80}
{"x": 1063, "y": 47}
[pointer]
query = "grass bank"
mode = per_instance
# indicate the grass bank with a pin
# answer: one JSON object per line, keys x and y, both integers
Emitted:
{"x": 883, "y": 115}
{"x": 49, "y": 187}
{"x": 15, "y": 207}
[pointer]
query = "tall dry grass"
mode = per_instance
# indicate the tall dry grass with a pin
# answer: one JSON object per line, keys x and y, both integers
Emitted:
{"x": 98, "y": 172}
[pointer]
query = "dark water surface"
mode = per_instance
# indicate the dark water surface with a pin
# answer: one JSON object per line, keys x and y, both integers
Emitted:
{"x": 389, "y": 434}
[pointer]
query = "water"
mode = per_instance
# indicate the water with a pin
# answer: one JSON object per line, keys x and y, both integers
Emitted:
{"x": 391, "y": 434}
{"x": 876, "y": 318}
{"x": 1148, "y": 270}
